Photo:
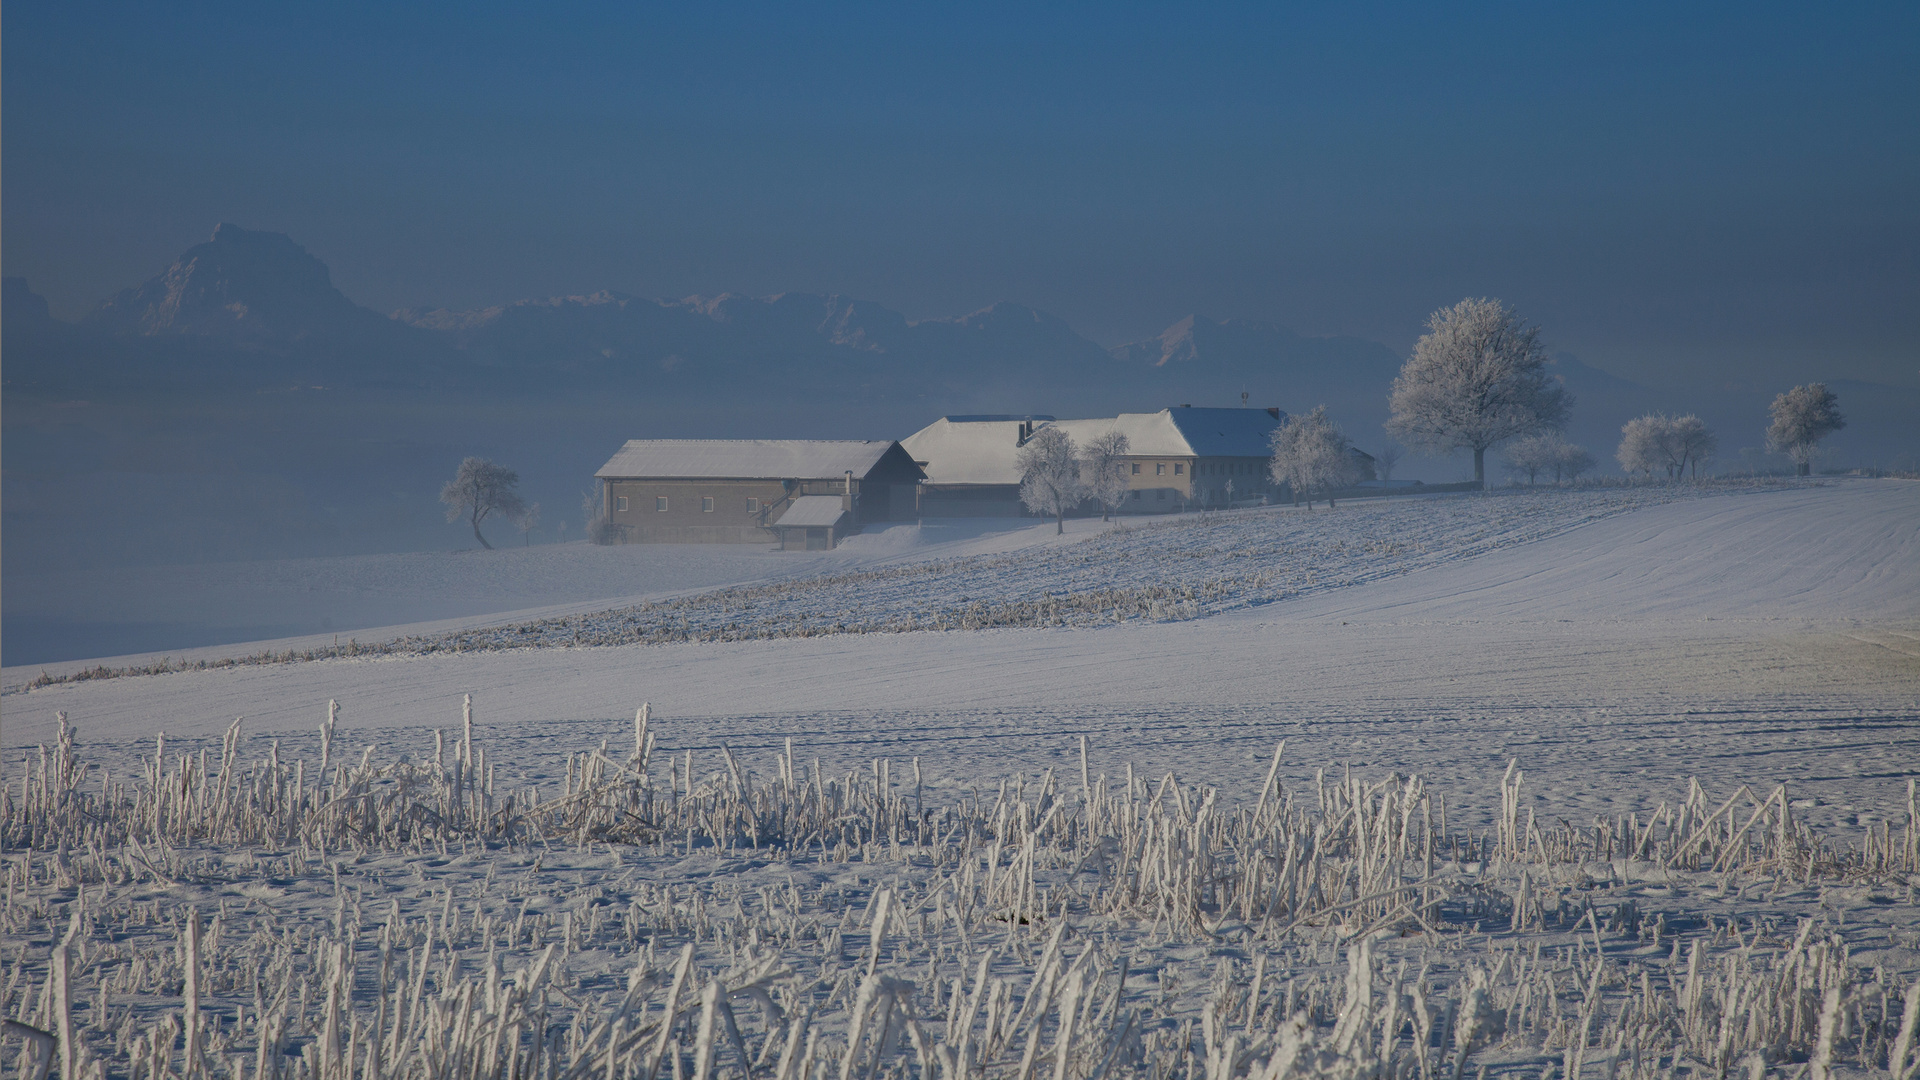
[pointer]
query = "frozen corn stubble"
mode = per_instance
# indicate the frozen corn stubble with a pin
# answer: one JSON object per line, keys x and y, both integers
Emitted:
{"x": 697, "y": 914}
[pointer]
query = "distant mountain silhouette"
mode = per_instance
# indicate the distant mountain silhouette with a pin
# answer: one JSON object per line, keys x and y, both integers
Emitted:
{"x": 239, "y": 285}
{"x": 256, "y": 308}
{"x": 1248, "y": 345}
{"x": 831, "y": 342}
{"x": 1217, "y": 360}
{"x": 22, "y": 306}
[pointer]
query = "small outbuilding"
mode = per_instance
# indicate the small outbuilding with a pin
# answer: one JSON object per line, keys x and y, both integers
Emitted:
{"x": 813, "y": 523}
{"x": 800, "y": 493}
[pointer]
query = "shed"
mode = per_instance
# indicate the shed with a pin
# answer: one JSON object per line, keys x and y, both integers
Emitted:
{"x": 813, "y": 523}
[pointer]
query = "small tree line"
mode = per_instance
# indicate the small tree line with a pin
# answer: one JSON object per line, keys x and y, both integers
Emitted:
{"x": 1478, "y": 379}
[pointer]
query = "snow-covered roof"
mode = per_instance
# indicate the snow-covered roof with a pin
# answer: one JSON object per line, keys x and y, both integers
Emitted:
{"x": 969, "y": 450}
{"x": 963, "y": 451}
{"x": 1148, "y": 434}
{"x": 975, "y": 418}
{"x": 812, "y": 510}
{"x": 777, "y": 459}
{"x": 1227, "y": 432}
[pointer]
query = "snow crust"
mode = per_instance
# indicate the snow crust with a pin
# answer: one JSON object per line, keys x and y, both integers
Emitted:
{"x": 1772, "y": 635}
{"x": 1620, "y": 651}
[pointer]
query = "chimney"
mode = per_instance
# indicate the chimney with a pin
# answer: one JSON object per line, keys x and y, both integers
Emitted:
{"x": 846, "y": 498}
{"x": 1273, "y": 411}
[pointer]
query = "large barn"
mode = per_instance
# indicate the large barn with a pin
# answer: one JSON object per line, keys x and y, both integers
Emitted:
{"x": 800, "y": 493}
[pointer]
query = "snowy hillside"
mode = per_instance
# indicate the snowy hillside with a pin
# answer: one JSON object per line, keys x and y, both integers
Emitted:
{"x": 1737, "y": 610}
{"x": 1504, "y": 832}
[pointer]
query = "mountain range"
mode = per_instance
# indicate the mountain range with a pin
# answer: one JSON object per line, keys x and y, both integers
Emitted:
{"x": 261, "y": 311}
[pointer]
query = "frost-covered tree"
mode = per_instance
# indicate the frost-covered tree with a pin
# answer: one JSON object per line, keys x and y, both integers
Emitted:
{"x": 481, "y": 489}
{"x": 1104, "y": 471}
{"x": 1476, "y": 379}
{"x": 528, "y": 521}
{"x": 1050, "y": 475}
{"x": 1312, "y": 456}
{"x": 1801, "y": 418}
{"x": 1640, "y": 448}
{"x": 1573, "y": 461}
{"x": 1531, "y": 455}
{"x": 1692, "y": 444}
{"x": 1671, "y": 444}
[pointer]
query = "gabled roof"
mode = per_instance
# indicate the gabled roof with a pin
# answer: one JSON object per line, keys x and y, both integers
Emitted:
{"x": 772, "y": 459}
{"x": 812, "y": 510}
{"x": 1227, "y": 432}
{"x": 959, "y": 450}
{"x": 1148, "y": 434}
{"x": 969, "y": 450}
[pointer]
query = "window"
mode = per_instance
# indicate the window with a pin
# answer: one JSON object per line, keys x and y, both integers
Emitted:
{"x": 1159, "y": 468}
{"x": 706, "y": 504}
{"x": 1179, "y": 469}
{"x": 1136, "y": 494}
{"x": 1136, "y": 468}
{"x": 753, "y": 505}
{"x": 660, "y": 502}
{"x": 620, "y": 503}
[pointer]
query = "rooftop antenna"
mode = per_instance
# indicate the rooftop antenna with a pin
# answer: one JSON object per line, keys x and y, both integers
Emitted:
{"x": 1243, "y": 399}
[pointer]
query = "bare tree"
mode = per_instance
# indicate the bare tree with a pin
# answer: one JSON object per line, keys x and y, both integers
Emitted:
{"x": 1389, "y": 458}
{"x": 1476, "y": 379}
{"x": 528, "y": 521}
{"x": 596, "y": 524}
{"x": 1801, "y": 418}
{"x": 1050, "y": 480}
{"x": 1104, "y": 471}
{"x": 479, "y": 489}
{"x": 1311, "y": 456}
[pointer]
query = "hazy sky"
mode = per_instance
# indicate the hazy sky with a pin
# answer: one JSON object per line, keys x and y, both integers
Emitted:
{"x": 1675, "y": 192}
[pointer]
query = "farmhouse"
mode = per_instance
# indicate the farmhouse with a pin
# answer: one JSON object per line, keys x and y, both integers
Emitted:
{"x": 800, "y": 493}
{"x": 1179, "y": 458}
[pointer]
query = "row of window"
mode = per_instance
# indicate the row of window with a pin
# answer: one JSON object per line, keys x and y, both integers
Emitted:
{"x": 706, "y": 504}
{"x": 1232, "y": 468}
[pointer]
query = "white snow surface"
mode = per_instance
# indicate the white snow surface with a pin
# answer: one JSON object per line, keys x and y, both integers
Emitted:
{"x": 1746, "y": 638}
{"x": 1614, "y": 645}
{"x": 306, "y": 602}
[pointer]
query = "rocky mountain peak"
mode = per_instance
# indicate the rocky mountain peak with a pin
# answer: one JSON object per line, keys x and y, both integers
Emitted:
{"x": 242, "y": 285}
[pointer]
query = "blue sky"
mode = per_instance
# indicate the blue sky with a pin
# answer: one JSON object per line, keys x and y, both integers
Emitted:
{"x": 1704, "y": 193}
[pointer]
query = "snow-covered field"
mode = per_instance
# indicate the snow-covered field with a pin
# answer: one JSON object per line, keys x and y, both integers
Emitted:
{"x": 194, "y": 608}
{"x": 1622, "y": 647}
